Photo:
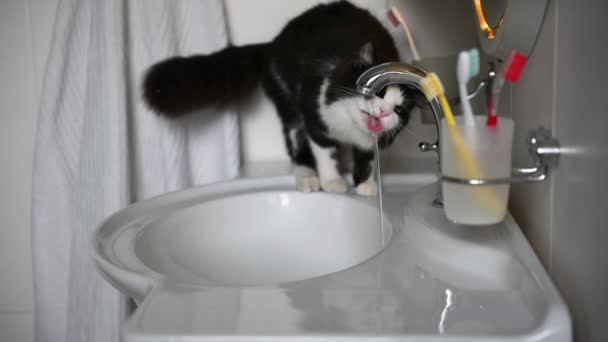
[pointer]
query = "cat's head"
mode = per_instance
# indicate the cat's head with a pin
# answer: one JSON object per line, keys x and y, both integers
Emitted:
{"x": 384, "y": 114}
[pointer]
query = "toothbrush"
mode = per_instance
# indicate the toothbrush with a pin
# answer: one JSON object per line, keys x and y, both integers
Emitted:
{"x": 432, "y": 88}
{"x": 396, "y": 18}
{"x": 467, "y": 68}
{"x": 510, "y": 72}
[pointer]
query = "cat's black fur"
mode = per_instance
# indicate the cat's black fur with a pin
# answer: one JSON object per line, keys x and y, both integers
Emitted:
{"x": 337, "y": 41}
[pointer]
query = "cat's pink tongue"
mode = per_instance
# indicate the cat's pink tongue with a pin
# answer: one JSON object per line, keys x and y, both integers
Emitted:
{"x": 374, "y": 124}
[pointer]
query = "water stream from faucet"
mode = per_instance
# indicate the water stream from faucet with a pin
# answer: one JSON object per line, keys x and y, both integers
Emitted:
{"x": 379, "y": 182}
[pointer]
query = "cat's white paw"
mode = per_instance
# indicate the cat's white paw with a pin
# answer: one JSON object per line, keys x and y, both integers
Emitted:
{"x": 308, "y": 184}
{"x": 367, "y": 188}
{"x": 335, "y": 185}
{"x": 306, "y": 179}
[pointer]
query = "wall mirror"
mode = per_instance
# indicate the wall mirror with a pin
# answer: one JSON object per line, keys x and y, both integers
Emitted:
{"x": 503, "y": 25}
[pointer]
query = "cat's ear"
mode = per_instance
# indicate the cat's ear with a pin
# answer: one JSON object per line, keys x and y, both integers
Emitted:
{"x": 367, "y": 53}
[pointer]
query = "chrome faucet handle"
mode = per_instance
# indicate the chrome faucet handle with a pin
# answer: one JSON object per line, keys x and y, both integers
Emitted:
{"x": 427, "y": 146}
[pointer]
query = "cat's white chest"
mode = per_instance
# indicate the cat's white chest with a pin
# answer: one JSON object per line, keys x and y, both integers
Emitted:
{"x": 343, "y": 129}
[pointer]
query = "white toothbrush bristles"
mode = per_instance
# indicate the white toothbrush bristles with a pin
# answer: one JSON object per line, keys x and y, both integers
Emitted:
{"x": 463, "y": 71}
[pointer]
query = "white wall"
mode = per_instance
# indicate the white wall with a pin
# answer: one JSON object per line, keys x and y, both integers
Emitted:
{"x": 563, "y": 87}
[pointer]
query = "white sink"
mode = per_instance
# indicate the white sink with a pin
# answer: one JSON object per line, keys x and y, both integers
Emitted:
{"x": 252, "y": 260}
{"x": 261, "y": 238}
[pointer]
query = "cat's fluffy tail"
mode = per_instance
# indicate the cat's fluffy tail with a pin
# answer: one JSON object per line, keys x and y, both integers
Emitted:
{"x": 182, "y": 84}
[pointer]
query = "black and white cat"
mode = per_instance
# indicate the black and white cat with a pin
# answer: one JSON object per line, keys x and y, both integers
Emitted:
{"x": 309, "y": 71}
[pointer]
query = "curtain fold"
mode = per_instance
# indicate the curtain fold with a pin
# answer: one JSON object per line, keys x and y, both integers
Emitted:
{"x": 98, "y": 148}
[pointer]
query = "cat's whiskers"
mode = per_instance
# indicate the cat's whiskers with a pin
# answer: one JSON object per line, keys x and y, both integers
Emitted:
{"x": 411, "y": 132}
{"x": 393, "y": 132}
{"x": 331, "y": 89}
{"x": 343, "y": 89}
{"x": 402, "y": 128}
{"x": 340, "y": 92}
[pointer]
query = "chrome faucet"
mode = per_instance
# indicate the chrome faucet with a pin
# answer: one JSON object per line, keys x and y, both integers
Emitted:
{"x": 376, "y": 78}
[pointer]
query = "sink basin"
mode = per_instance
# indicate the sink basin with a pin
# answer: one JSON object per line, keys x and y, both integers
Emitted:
{"x": 243, "y": 233}
{"x": 252, "y": 260}
{"x": 261, "y": 238}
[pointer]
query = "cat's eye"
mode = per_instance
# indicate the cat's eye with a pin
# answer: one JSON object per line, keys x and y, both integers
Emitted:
{"x": 398, "y": 110}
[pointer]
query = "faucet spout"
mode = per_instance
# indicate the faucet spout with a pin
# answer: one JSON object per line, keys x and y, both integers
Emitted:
{"x": 376, "y": 78}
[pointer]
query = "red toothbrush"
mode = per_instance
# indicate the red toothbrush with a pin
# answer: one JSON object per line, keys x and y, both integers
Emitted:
{"x": 510, "y": 72}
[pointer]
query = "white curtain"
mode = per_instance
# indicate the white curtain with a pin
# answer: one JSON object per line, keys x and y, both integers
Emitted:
{"x": 98, "y": 148}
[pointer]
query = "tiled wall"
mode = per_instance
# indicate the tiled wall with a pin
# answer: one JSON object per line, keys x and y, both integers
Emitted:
{"x": 563, "y": 88}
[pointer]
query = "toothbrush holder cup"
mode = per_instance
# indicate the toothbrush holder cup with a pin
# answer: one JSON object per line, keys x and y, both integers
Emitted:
{"x": 475, "y": 151}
